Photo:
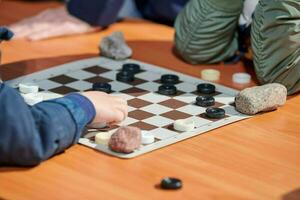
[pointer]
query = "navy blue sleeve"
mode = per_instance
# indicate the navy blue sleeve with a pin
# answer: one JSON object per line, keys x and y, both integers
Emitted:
{"x": 95, "y": 12}
{"x": 162, "y": 11}
{"x": 29, "y": 135}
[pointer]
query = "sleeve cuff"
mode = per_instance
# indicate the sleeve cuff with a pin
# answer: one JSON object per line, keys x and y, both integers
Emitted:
{"x": 84, "y": 103}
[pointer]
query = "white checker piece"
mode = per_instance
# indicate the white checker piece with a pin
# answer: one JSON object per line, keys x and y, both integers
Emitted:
{"x": 156, "y": 109}
{"x": 158, "y": 121}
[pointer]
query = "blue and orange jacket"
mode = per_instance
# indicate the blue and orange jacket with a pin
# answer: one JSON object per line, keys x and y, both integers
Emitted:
{"x": 31, "y": 134}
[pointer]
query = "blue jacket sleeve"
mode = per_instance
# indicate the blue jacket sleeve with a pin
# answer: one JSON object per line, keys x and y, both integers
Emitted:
{"x": 29, "y": 135}
{"x": 95, "y": 12}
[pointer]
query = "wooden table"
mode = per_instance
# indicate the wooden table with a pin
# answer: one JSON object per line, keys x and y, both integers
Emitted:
{"x": 258, "y": 158}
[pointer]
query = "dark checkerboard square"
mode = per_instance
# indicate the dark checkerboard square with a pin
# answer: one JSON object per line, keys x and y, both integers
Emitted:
{"x": 96, "y": 69}
{"x": 63, "y": 79}
{"x": 98, "y": 79}
{"x": 63, "y": 90}
{"x": 173, "y": 103}
{"x": 134, "y": 91}
{"x": 139, "y": 114}
{"x": 175, "y": 114}
{"x": 136, "y": 81}
{"x": 138, "y": 103}
{"x": 143, "y": 126}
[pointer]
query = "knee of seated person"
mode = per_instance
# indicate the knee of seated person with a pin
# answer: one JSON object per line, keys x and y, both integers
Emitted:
{"x": 288, "y": 75}
{"x": 204, "y": 55}
{"x": 274, "y": 39}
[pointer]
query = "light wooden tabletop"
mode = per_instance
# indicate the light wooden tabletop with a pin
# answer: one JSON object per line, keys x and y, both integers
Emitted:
{"x": 258, "y": 158}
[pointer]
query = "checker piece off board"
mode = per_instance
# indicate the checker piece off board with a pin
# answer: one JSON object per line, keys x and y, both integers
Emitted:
{"x": 157, "y": 98}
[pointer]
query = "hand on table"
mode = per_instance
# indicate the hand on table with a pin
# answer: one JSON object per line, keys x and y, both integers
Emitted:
{"x": 109, "y": 109}
{"x": 50, "y": 23}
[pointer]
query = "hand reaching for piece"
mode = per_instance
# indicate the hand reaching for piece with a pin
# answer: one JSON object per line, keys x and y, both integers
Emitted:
{"x": 109, "y": 109}
{"x": 50, "y": 23}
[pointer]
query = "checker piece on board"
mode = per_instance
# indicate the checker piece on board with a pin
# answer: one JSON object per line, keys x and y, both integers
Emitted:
{"x": 167, "y": 89}
{"x": 102, "y": 87}
{"x": 131, "y": 67}
{"x": 125, "y": 76}
{"x": 205, "y": 101}
{"x": 169, "y": 79}
{"x": 206, "y": 88}
{"x": 215, "y": 113}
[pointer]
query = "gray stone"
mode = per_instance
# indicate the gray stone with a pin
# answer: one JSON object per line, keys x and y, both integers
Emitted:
{"x": 115, "y": 47}
{"x": 125, "y": 140}
{"x": 261, "y": 98}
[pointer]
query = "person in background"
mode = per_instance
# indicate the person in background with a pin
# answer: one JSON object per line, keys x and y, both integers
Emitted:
{"x": 32, "y": 134}
{"x": 210, "y": 31}
{"x": 84, "y": 16}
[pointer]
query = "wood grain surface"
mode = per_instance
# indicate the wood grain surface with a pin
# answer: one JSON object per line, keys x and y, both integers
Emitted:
{"x": 258, "y": 158}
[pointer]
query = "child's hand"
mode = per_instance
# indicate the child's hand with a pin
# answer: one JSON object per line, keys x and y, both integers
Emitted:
{"x": 50, "y": 23}
{"x": 109, "y": 109}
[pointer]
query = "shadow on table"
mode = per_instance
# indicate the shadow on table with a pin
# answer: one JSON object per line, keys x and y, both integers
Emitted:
{"x": 293, "y": 195}
{"x": 13, "y": 169}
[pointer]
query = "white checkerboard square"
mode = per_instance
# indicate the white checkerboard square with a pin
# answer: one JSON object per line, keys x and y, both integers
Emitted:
{"x": 119, "y": 86}
{"x": 148, "y": 76}
{"x": 158, "y": 121}
{"x": 199, "y": 121}
{"x": 156, "y": 109}
{"x": 128, "y": 121}
{"x": 81, "y": 74}
{"x": 110, "y": 75}
{"x": 154, "y": 97}
{"x": 192, "y": 109}
{"x": 186, "y": 97}
{"x": 80, "y": 85}
{"x": 186, "y": 87}
{"x": 149, "y": 86}
{"x": 162, "y": 133}
{"x": 47, "y": 84}
{"x": 224, "y": 98}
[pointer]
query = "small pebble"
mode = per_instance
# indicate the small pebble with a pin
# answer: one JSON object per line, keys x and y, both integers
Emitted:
{"x": 115, "y": 47}
{"x": 125, "y": 140}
